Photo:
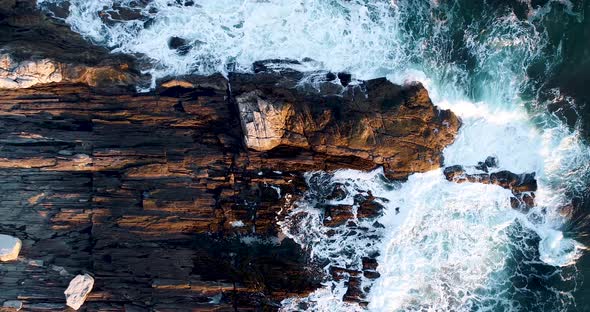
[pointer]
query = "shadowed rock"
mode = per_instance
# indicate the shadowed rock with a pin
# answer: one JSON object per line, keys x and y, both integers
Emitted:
{"x": 522, "y": 185}
{"x": 367, "y": 124}
{"x": 518, "y": 183}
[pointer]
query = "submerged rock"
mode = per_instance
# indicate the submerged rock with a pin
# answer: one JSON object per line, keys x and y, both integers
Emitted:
{"x": 181, "y": 45}
{"x": 78, "y": 290}
{"x": 9, "y": 247}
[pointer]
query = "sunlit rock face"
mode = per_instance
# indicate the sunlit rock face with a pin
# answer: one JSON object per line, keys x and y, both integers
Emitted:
{"x": 373, "y": 122}
{"x": 9, "y": 247}
{"x": 28, "y": 73}
{"x": 170, "y": 198}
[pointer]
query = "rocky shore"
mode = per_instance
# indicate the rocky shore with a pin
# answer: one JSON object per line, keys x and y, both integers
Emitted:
{"x": 170, "y": 199}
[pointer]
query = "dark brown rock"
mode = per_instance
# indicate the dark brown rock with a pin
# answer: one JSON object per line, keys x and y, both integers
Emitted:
{"x": 522, "y": 186}
{"x": 155, "y": 193}
{"x": 518, "y": 183}
{"x": 179, "y": 44}
{"x": 371, "y": 123}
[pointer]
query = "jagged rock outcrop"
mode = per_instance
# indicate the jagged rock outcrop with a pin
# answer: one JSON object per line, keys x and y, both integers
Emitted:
{"x": 171, "y": 198}
{"x": 36, "y": 49}
{"x": 522, "y": 185}
{"x": 369, "y": 123}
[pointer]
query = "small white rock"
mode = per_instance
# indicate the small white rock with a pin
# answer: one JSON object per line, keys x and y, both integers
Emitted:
{"x": 13, "y": 304}
{"x": 36, "y": 263}
{"x": 9, "y": 247}
{"x": 78, "y": 290}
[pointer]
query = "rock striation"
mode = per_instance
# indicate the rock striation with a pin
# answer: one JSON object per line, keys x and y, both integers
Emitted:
{"x": 171, "y": 198}
{"x": 145, "y": 190}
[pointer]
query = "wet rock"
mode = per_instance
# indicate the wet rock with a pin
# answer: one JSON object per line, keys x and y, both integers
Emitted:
{"x": 181, "y": 45}
{"x": 339, "y": 273}
{"x": 330, "y": 76}
{"x": 370, "y": 208}
{"x": 523, "y": 201}
{"x": 143, "y": 189}
{"x": 78, "y": 290}
{"x": 370, "y": 124}
{"x": 13, "y": 305}
{"x": 454, "y": 173}
{"x": 522, "y": 186}
{"x": 345, "y": 78}
{"x": 336, "y": 215}
{"x": 9, "y": 248}
{"x": 370, "y": 263}
{"x": 518, "y": 183}
{"x": 338, "y": 193}
{"x": 274, "y": 65}
{"x": 490, "y": 162}
{"x": 354, "y": 292}
{"x": 371, "y": 274}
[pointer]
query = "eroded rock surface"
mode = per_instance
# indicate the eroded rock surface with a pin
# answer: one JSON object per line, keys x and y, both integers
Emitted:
{"x": 78, "y": 290}
{"x": 171, "y": 198}
{"x": 145, "y": 190}
{"x": 369, "y": 123}
{"x": 522, "y": 185}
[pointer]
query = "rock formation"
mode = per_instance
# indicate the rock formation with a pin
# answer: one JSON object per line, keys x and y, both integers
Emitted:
{"x": 522, "y": 185}
{"x": 13, "y": 305}
{"x": 9, "y": 247}
{"x": 371, "y": 123}
{"x": 78, "y": 290}
{"x": 171, "y": 198}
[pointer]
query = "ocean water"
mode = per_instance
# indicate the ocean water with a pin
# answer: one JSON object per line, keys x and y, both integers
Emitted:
{"x": 440, "y": 246}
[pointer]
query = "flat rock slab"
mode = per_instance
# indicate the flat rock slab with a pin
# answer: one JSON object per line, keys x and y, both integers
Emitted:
{"x": 16, "y": 305}
{"x": 9, "y": 247}
{"x": 78, "y": 290}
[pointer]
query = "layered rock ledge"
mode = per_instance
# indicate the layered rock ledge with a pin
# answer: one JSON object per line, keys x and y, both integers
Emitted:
{"x": 523, "y": 186}
{"x": 170, "y": 199}
{"x": 152, "y": 192}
